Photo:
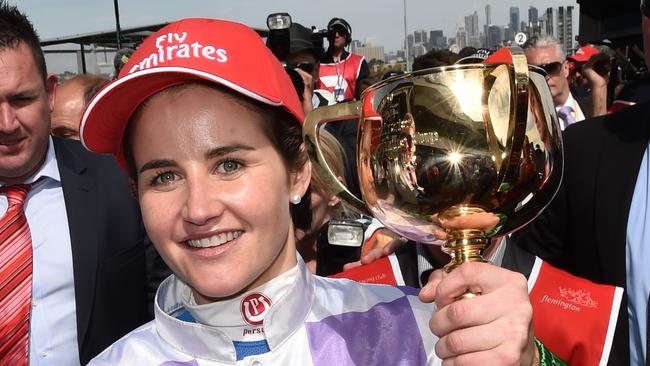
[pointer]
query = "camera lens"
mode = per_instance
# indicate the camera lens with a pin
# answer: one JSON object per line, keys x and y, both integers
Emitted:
{"x": 602, "y": 68}
{"x": 306, "y": 67}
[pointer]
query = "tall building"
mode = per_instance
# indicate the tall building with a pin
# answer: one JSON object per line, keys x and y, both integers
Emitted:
{"x": 461, "y": 38}
{"x": 437, "y": 39}
{"x": 538, "y": 28}
{"x": 420, "y": 36}
{"x": 473, "y": 32}
{"x": 508, "y": 33}
{"x": 488, "y": 18}
{"x": 565, "y": 28}
{"x": 493, "y": 37}
{"x": 488, "y": 14}
{"x": 559, "y": 24}
{"x": 434, "y": 34}
{"x": 532, "y": 14}
{"x": 488, "y": 21}
{"x": 471, "y": 25}
{"x": 410, "y": 40}
{"x": 514, "y": 19}
{"x": 551, "y": 21}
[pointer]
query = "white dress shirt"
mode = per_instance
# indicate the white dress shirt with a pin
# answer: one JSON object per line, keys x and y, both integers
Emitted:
{"x": 53, "y": 323}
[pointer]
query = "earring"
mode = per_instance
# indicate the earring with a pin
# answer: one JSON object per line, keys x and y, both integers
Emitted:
{"x": 295, "y": 199}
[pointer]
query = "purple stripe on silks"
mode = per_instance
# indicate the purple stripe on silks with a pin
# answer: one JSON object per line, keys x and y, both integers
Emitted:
{"x": 408, "y": 290}
{"x": 387, "y": 334}
{"x": 180, "y": 363}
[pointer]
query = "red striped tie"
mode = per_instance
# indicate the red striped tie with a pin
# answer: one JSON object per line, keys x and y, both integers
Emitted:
{"x": 15, "y": 278}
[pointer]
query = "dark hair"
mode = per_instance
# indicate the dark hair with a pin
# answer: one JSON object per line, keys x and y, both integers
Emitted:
{"x": 15, "y": 29}
{"x": 278, "y": 125}
{"x": 434, "y": 58}
{"x": 467, "y": 51}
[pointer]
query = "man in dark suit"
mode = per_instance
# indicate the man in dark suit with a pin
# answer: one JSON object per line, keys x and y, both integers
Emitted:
{"x": 596, "y": 225}
{"x": 88, "y": 279}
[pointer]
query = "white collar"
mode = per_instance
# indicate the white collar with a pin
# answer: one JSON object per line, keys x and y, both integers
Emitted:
{"x": 568, "y": 102}
{"x": 285, "y": 316}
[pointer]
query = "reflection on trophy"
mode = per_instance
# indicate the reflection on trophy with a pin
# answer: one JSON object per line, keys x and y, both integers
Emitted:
{"x": 452, "y": 155}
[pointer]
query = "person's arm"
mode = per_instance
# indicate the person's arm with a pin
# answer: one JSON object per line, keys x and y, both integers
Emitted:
{"x": 598, "y": 86}
{"x": 381, "y": 244}
{"x": 597, "y": 83}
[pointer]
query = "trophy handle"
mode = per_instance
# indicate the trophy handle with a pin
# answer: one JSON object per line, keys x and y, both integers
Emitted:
{"x": 313, "y": 121}
{"x": 518, "y": 116}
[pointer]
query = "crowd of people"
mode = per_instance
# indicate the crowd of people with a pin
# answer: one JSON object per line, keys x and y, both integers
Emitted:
{"x": 187, "y": 227}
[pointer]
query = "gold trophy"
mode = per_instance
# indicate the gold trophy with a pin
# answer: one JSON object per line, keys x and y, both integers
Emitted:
{"x": 479, "y": 142}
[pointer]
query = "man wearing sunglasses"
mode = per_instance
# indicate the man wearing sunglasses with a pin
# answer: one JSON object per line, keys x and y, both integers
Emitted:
{"x": 546, "y": 52}
{"x": 598, "y": 225}
{"x": 341, "y": 72}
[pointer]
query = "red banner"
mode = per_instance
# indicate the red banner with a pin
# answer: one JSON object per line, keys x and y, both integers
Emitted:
{"x": 575, "y": 318}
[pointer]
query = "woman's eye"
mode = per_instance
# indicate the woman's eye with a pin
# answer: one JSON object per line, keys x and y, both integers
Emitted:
{"x": 165, "y": 178}
{"x": 229, "y": 166}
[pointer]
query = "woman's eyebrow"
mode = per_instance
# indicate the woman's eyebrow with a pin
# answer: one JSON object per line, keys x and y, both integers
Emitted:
{"x": 224, "y": 150}
{"x": 157, "y": 164}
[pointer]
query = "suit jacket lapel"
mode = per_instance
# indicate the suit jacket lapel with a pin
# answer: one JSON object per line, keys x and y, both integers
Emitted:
{"x": 621, "y": 157}
{"x": 82, "y": 218}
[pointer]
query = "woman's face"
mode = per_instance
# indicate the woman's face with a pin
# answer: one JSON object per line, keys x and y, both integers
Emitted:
{"x": 214, "y": 191}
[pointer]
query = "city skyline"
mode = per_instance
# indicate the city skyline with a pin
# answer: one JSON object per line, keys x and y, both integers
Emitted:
{"x": 557, "y": 22}
{"x": 381, "y": 20}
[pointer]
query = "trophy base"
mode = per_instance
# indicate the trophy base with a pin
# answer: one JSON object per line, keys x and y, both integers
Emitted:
{"x": 464, "y": 245}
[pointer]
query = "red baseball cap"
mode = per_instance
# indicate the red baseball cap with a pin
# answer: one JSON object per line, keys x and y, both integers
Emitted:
{"x": 584, "y": 53}
{"x": 227, "y": 53}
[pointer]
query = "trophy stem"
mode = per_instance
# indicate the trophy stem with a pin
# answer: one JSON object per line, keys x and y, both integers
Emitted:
{"x": 464, "y": 245}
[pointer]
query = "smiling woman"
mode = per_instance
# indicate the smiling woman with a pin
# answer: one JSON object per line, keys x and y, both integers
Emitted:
{"x": 215, "y": 154}
{"x": 212, "y": 189}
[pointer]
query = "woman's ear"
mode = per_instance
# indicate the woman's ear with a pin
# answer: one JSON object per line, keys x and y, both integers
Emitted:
{"x": 301, "y": 178}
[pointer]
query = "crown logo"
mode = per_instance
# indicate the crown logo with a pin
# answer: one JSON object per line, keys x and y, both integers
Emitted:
{"x": 578, "y": 297}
